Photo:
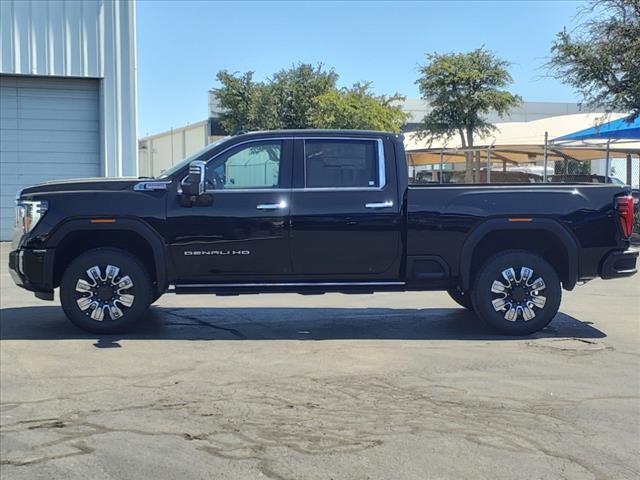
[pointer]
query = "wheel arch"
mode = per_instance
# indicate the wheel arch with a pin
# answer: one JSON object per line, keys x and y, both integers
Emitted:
{"x": 132, "y": 235}
{"x": 560, "y": 248}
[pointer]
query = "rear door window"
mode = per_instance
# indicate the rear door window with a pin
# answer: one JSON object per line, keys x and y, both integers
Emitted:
{"x": 341, "y": 164}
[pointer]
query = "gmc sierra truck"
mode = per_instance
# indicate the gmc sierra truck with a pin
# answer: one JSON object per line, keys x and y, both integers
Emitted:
{"x": 315, "y": 211}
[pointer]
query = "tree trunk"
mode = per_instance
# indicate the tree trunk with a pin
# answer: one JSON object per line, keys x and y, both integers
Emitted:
{"x": 468, "y": 174}
{"x": 468, "y": 168}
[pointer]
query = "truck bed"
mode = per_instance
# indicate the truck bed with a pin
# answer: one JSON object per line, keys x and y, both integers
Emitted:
{"x": 441, "y": 217}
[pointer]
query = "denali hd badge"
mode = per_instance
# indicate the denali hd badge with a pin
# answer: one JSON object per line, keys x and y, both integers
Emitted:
{"x": 195, "y": 253}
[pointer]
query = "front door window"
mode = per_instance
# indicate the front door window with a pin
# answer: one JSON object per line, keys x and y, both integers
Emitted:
{"x": 254, "y": 166}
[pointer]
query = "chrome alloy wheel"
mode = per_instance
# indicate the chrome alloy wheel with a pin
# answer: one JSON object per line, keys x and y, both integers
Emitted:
{"x": 520, "y": 297}
{"x": 104, "y": 293}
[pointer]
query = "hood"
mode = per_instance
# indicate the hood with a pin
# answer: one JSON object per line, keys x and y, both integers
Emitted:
{"x": 83, "y": 185}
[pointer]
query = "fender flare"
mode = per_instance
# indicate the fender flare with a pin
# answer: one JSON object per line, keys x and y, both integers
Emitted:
{"x": 135, "y": 225}
{"x": 552, "y": 226}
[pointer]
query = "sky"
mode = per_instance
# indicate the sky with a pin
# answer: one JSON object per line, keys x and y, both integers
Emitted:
{"x": 183, "y": 44}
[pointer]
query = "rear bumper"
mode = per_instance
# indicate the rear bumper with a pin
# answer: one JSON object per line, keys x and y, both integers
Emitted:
{"x": 32, "y": 270}
{"x": 619, "y": 264}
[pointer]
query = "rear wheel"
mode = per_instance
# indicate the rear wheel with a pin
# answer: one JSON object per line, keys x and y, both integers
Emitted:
{"x": 462, "y": 298}
{"x": 517, "y": 292}
{"x": 105, "y": 290}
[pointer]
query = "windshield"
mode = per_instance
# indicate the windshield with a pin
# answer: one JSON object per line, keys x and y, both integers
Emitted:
{"x": 183, "y": 163}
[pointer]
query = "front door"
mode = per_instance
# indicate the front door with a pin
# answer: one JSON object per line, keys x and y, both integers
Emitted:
{"x": 346, "y": 220}
{"x": 242, "y": 233}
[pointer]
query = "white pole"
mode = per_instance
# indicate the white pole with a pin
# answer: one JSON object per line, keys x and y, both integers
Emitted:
{"x": 546, "y": 157}
{"x": 607, "y": 164}
{"x": 441, "y": 165}
{"x": 489, "y": 164}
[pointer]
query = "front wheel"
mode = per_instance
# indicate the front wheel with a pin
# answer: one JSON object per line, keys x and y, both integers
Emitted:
{"x": 517, "y": 292}
{"x": 105, "y": 290}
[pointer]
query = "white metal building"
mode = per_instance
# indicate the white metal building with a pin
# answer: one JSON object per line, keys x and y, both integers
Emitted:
{"x": 67, "y": 93}
{"x": 525, "y": 112}
{"x": 158, "y": 152}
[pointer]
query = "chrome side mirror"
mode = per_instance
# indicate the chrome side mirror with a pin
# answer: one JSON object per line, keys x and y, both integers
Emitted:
{"x": 193, "y": 184}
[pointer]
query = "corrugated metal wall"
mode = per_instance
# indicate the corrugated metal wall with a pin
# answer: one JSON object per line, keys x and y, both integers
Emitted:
{"x": 81, "y": 38}
{"x": 61, "y": 38}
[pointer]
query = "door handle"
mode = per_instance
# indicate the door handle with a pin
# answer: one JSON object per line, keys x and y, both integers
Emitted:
{"x": 272, "y": 206}
{"x": 386, "y": 204}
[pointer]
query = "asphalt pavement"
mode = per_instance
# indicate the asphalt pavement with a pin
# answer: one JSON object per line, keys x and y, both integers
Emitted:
{"x": 284, "y": 387}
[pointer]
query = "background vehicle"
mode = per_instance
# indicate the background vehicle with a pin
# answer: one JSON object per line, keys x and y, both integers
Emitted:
{"x": 426, "y": 177}
{"x": 582, "y": 178}
{"x": 312, "y": 212}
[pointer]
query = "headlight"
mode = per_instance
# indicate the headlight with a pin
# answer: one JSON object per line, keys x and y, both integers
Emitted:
{"x": 29, "y": 213}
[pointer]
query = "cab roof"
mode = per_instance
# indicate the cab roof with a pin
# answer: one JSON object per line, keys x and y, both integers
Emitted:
{"x": 320, "y": 132}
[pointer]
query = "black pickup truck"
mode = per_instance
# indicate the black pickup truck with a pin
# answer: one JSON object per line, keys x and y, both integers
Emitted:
{"x": 312, "y": 211}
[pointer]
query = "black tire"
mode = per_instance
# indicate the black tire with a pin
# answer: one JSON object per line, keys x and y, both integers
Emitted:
{"x": 461, "y": 298}
{"x": 131, "y": 302}
{"x": 518, "y": 296}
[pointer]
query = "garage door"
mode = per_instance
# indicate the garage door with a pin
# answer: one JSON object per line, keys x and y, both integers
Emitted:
{"x": 49, "y": 130}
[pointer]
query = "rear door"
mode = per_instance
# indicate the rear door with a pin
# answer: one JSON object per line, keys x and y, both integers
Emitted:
{"x": 243, "y": 233}
{"x": 345, "y": 215}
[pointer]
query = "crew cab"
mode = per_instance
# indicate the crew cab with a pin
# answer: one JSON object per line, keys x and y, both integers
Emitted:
{"x": 315, "y": 211}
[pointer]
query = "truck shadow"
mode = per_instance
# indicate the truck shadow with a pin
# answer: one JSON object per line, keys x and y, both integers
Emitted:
{"x": 162, "y": 323}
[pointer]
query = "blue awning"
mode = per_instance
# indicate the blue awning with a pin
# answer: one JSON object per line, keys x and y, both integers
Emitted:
{"x": 623, "y": 128}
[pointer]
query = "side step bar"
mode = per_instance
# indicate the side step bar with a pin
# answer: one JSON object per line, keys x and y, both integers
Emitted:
{"x": 305, "y": 288}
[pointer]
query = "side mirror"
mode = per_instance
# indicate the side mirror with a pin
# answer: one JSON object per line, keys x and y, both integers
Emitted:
{"x": 193, "y": 184}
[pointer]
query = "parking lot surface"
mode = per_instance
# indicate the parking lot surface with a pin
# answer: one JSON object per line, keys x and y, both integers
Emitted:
{"x": 384, "y": 386}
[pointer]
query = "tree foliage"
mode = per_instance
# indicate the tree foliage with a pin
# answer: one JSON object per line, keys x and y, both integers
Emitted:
{"x": 247, "y": 104}
{"x": 358, "y": 108}
{"x": 461, "y": 89}
{"x": 295, "y": 91}
{"x": 304, "y": 96}
{"x": 601, "y": 58}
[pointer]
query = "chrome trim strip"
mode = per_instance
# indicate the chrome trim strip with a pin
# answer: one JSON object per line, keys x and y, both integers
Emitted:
{"x": 247, "y": 190}
{"x": 281, "y": 205}
{"x": 296, "y": 190}
{"x": 385, "y": 204}
{"x": 148, "y": 186}
{"x": 336, "y": 189}
{"x": 301, "y": 284}
{"x": 382, "y": 179}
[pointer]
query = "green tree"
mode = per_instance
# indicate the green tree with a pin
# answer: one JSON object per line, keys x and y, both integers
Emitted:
{"x": 295, "y": 91}
{"x": 304, "y": 96}
{"x": 601, "y": 58}
{"x": 358, "y": 108}
{"x": 247, "y": 104}
{"x": 461, "y": 89}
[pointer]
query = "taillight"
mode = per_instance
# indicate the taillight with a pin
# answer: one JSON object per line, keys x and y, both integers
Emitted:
{"x": 624, "y": 207}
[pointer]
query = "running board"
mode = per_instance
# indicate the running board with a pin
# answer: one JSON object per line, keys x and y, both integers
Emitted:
{"x": 305, "y": 288}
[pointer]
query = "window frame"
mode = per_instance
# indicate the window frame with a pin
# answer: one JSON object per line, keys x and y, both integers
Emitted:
{"x": 379, "y": 158}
